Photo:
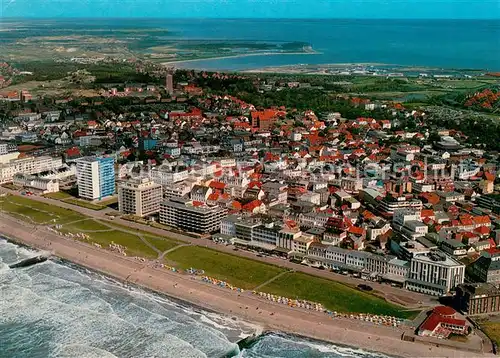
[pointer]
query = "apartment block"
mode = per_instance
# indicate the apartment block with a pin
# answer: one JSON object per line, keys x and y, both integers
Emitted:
{"x": 191, "y": 216}
{"x": 95, "y": 177}
{"x": 139, "y": 197}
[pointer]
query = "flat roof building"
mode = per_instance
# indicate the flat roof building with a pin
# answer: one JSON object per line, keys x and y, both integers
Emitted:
{"x": 434, "y": 273}
{"x": 139, "y": 197}
{"x": 191, "y": 215}
{"x": 95, "y": 177}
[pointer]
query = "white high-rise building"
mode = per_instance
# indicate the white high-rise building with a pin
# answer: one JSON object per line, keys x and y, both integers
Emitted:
{"x": 95, "y": 177}
{"x": 139, "y": 197}
{"x": 434, "y": 273}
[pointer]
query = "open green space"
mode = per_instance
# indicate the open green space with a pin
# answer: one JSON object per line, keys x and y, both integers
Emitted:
{"x": 162, "y": 244}
{"x": 333, "y": 295}
{"x": 241, "y": 272}
{"x": 86, "y": 225}
{"x": 84, "y": 204}
{"x": 60, "y": 195}
{"x": 133, "y": 244}
{"x": 131, "y": 229}
{"x": 37, "y": 212}
{"x": 492, "y": 330}
{"x": 109, "y": 201}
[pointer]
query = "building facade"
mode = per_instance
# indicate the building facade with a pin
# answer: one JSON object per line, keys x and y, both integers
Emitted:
{"x": 31, "y": 165}
{"x": 478, "y": 298}
{"x": 95, "y": 177}
{"x": 38, "y": 184}
{"x": 139, "y": 197}
{"x": 191, "y": 216}
{"x": 434, "y": 273}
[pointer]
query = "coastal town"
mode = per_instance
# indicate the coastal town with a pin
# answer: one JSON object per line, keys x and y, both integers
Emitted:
{"x": 379, "y": 195}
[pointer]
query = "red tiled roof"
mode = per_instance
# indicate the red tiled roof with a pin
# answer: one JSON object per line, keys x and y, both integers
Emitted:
{"x": 356, "y": 230}
{"x": 482, "y": 220}
{"x": 426, "y": 213}
{"x": 236, "y": 205}
{"x": 217, "y": 185}
{"x": 441, "y": 314}
{"x": 483, "y": 230}
{"x": 72, "y": 152}
{"x": 251, "y": 206}
{"x": 213, "y": 196}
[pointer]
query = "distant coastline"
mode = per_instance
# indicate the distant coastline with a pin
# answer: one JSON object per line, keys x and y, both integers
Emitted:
{"x": 240, "y": 56}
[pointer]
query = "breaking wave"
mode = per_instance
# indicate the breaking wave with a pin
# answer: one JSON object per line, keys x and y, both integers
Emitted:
{"x": 57, "y": 309}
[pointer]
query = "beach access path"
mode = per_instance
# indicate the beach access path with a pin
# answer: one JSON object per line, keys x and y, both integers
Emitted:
{"x": 269, "y": 315}
{"x": 403, "y": 297}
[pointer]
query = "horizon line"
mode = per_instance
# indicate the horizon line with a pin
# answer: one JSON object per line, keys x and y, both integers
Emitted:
{"x": 249, "y": 18}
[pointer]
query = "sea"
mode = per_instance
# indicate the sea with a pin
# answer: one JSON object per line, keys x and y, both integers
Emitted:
{"x": 58, "y": 309}
{"x": 441, "y": 44}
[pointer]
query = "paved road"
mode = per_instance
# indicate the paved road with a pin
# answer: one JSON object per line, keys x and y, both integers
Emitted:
{"x": 413, "y": 299}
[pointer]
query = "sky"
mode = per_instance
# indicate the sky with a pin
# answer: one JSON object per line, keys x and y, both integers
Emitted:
{"x": 400, "y": 9}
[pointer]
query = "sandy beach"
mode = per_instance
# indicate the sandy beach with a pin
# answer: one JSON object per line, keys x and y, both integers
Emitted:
{"x": 268, "y": 315}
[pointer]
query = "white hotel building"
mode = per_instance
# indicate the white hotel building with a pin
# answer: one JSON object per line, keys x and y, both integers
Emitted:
{"x": 139, "y": 197}
{"x": 434, "y": 273}
{"x": 191, "y": 216}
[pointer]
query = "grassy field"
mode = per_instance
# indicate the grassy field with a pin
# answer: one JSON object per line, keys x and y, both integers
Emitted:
{"x": 37, "y": 212}
{"x": 139, "y": 231}
{"x": 238, "y": 271}
{"x": 41, "y": 213}
{"x": 134, "y": 245}
{"x": 333, "y": 295}
{"x": 84, "y": 204}
{"x": 161, "y": 244}
{"x": 108, "y": 202}
{"x": 60, "y": 195}
{"x": 492, "y": 330}
{"x": 86, "y": 225}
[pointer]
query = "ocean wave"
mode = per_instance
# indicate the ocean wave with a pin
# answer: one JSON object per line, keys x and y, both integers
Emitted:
{"x": 58, "y": 309}
{"x": 273, "y": 345}
{"x": 52, "y": 309}
{"x": 80, "y": 350}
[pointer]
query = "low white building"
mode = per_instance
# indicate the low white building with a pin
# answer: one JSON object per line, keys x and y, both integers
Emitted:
{"x": 30, "y": 165}
{"x": 35, "y": 183}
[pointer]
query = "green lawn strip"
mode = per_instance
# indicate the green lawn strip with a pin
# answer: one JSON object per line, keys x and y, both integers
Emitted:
{"x": 86, "y": 225}
{"x": 108, "y": 202}
{"x": 162, "y": 244}
{"x": 37, "y": 211}
{"x": 133, "y": 244}
{"x": 333, "y": 295}
{"x": 84, "y": 204}
{"x": 139, "y": 231}
{"x": 60, "y": 195}
{"x": 492, "y": 330}
{"x": 238, "y": 271}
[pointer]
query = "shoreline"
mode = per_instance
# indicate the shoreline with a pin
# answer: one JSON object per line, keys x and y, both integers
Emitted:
{"x": 248, "y": 308}
{"x": 239, "y": 56}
